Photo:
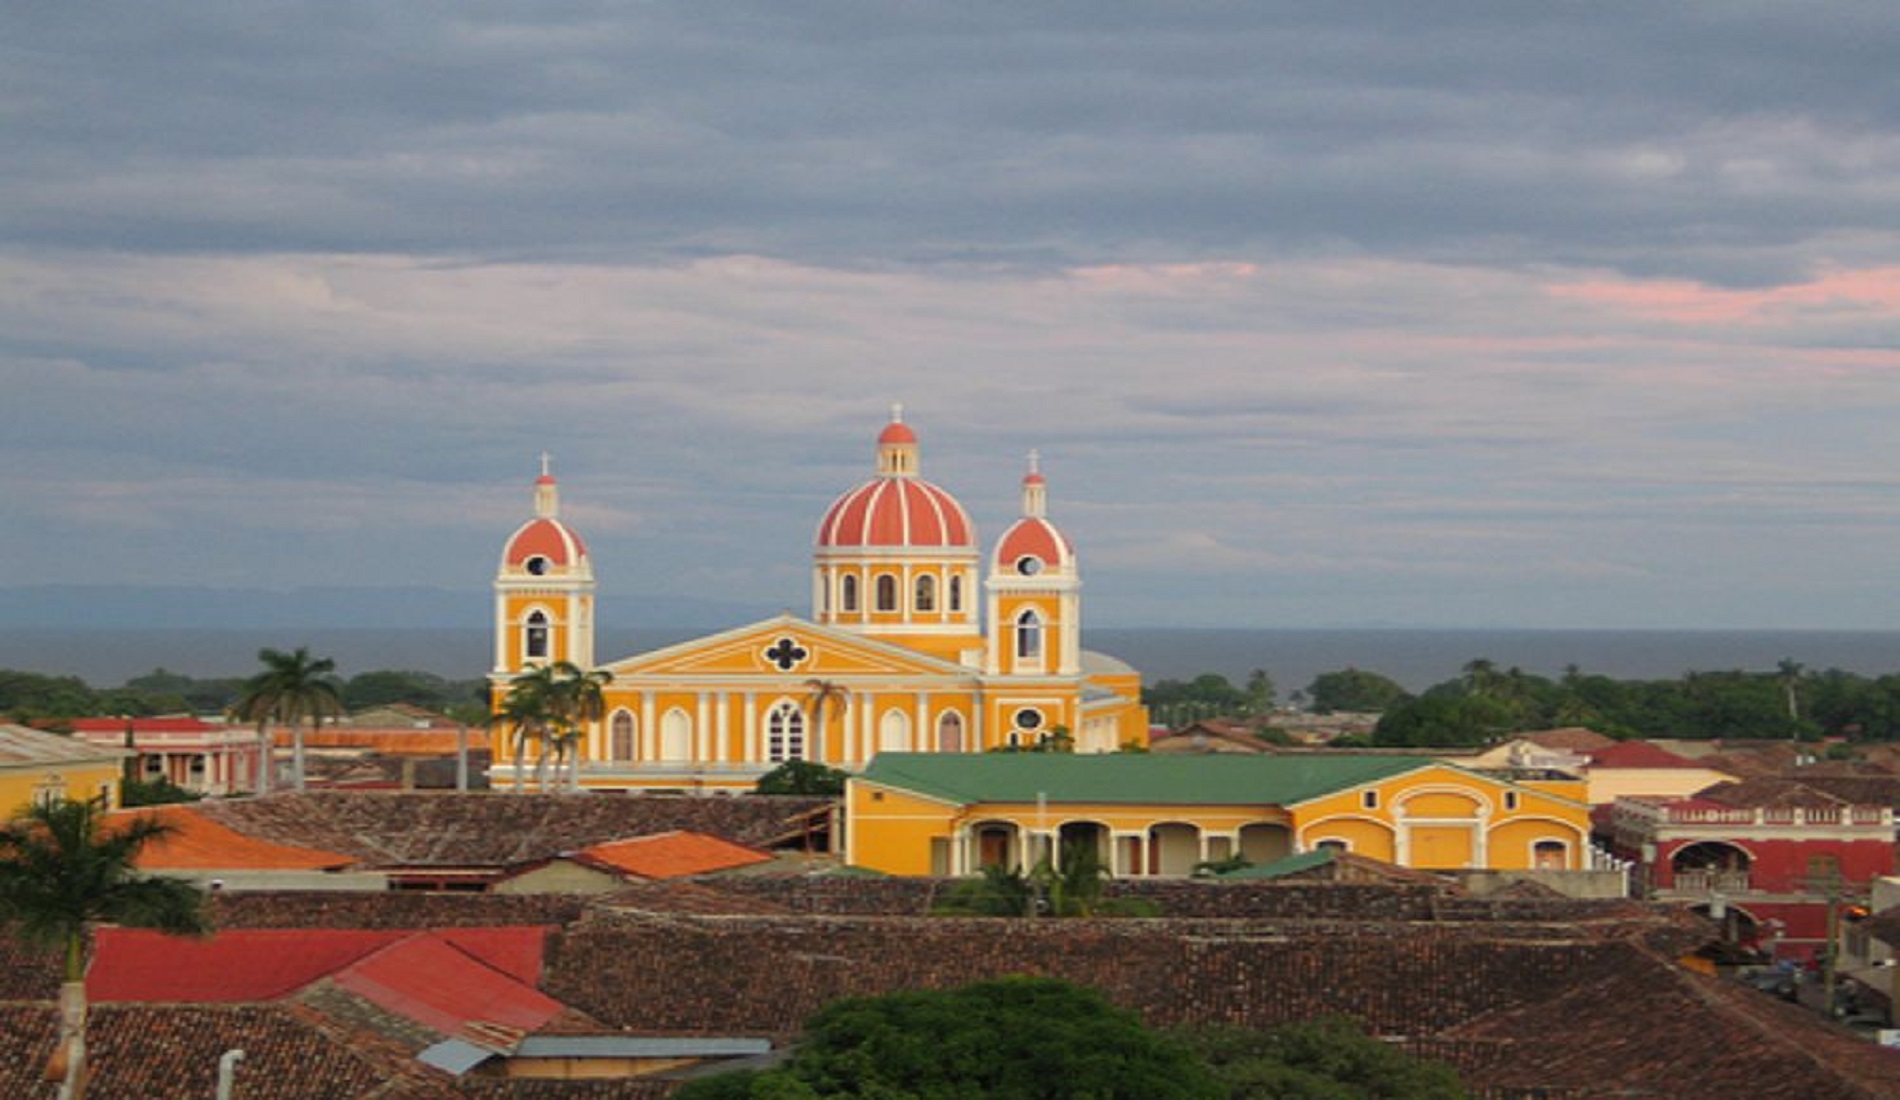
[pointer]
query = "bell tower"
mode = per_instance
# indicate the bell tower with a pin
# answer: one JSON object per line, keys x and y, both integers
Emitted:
{"x": 544, "y": 589}
{"x": 1035, "y": 593}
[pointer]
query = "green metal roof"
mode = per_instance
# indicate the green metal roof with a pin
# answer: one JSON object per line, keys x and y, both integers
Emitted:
{"x": 1280, "y": 868}
{"x": 1212, "y": 779}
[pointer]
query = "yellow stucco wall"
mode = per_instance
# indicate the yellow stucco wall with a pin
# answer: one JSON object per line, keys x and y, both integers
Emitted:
{"x": 74, "y": 781}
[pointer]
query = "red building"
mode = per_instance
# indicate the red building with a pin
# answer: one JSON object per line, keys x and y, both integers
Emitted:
{"x": 1764, "y": 856}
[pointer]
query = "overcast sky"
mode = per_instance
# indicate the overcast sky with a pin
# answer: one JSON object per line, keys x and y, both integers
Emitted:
{"x": 1320, "y": 314}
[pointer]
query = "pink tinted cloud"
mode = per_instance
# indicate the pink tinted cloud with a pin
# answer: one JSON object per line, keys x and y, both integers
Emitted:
{"x": 1863, "y": 292}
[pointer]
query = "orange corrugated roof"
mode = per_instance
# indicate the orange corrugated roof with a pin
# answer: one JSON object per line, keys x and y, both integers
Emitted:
{"x": 671, "y": 855}
{"x": 201, "y": 844}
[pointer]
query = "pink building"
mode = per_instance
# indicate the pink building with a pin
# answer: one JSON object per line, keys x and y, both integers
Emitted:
{"x": 194, "y": 754}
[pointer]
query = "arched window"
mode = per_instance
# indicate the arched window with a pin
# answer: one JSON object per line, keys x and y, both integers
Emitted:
{"x": 1550, "y": 855}
{"x": 535, "y": 646}
{"x": 956, "y": 593}
{"x": 950, "y": 732}
{"x": 848, "y": 592}
{"x": 926, "y": 592}
{"x": 676, "y": 736}
{"x": 625, "y": 744}
{"x": 1028, "y": 636}
{"x": 785, "y": 733}
{"x": 886, "y": 592}
{"x": 893, "y": 732}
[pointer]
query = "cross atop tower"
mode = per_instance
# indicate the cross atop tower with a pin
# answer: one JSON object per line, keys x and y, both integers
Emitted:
{"x": 546, "y": 462}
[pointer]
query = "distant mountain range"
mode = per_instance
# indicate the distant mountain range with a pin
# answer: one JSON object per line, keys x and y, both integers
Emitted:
{"x": 137, "y": 607}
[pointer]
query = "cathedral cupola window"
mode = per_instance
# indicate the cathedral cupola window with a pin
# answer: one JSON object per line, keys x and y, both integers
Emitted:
{"x": 926, "y": 593}
{"x": 886, "y": 592}
{"x": 848, "y": 592}
{"x": 537, "y": 565}
{"x": 1029, "y": 565}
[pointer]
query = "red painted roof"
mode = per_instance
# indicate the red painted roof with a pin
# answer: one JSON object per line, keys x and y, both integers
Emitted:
{"x": 896, "y": 511}
{"x": 434, "y": 982}
{"x": 549, "y": 538}
{"x": 1637, "y": 754}
{"x": 896, "y": 432}
{"x": 1032, "y": 536}
{"x": 201, "y": 844}
{"x": 671, "y": 855}
{"x": 132, "y": 964}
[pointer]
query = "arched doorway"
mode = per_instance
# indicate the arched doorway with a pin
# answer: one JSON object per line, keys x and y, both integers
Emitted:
{"x": 1173, "y": 849}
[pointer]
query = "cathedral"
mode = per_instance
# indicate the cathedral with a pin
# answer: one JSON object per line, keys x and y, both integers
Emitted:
{"x": 916, "y": 643}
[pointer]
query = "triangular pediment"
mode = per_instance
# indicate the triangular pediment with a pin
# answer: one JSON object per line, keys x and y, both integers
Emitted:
{"x": 785, "y": 646}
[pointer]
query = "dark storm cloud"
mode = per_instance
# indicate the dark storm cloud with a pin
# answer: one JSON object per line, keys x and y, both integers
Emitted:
{"x": 1653, "y": 138}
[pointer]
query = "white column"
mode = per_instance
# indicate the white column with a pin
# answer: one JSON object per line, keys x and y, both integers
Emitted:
{"x": 702, "y": 733}
{"x": 723, "y": 701}
{"x": 920, "y": 729}
{"x": 649, "y": 737}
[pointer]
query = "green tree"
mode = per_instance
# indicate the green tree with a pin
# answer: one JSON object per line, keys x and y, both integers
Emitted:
{"x": 1330, "y": 1058}
{"x": 579, "y": 698}
{"x": 997, "y": 892}
{"x": 802, "y": 777}
{"x": 527, "y": 710}
{"x": 1012, "y": 1038}
{"x": 381, "y": 687}
{"x": 1352, "y": 689}
{"x": 293, "y": 687}
{"x": 63, "y": 869}
{"x": 1444, "y": 721}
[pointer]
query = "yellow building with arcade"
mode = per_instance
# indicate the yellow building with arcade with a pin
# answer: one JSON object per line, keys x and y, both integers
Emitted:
{"x": 918, "y": 641}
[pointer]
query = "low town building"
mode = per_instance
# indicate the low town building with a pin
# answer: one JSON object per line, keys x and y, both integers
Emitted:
{"x": 36, "y": 766}
{"x": 1153, "y": 815}
{"x": 191, "y": 753}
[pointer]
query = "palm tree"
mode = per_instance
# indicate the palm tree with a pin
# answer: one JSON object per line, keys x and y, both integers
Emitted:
{"x": 550, "y": 704}
{"x": 578, "y": 699}
{"x": 292, "y": 687}
{"x": 1788, "y": 671}
{"x": 528, "y": 709}
{"x": 62, "y": 870}
{"x": 819, "y": 697}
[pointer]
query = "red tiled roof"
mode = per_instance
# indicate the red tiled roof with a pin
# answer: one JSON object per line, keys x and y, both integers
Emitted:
{"x": 133, "y": 964}
{"x": 145, "y": 725}
{"x": 428, "y": 979}
{"x": 671, "y": 855}
{"x": 201, "y": 844}
{"x": 1637, "y": 754}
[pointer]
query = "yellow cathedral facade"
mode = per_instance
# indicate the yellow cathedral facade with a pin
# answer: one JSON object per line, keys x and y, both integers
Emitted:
{"x": 918, "y": 642}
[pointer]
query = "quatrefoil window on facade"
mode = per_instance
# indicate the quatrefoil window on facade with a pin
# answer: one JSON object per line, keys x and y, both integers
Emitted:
{"x": 786, "y": 653}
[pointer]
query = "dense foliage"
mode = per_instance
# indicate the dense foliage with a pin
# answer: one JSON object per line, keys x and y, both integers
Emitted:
{"x": 1210, "y": 695}
{"x": 1023, "y": 1037}
{"x": 802, "y": 777}
{"x": 1010, "y": 1039}
{"x": 1352, "y": 689}
{"x": 1331, "y": 1058}
{"x": 32, "y": 696}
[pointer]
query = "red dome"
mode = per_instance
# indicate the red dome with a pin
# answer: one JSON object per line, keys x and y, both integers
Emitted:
{"x": 1035, "y": 537}
{"x": 545, "y": 538}
{"x": 896, "y": 432}
{"x": 896, "y": 511}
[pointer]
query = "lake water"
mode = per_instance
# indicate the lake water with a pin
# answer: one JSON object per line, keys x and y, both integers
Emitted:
{"x": 1415, "y": 658}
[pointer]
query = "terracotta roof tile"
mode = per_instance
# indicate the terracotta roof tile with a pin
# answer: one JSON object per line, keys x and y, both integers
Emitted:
{"x": 1638, "y": 754}
{"x": 432, "y": 981}
{"x": 671, "y": 855}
